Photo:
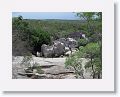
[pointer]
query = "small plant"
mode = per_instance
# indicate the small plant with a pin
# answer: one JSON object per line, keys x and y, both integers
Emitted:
{"x": 27, "y": 61}
{"x": 37, "y": 68}
{"x": 31, "y": 66}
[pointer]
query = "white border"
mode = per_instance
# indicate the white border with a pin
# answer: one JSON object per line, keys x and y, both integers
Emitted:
{"x": 104, "y": 84}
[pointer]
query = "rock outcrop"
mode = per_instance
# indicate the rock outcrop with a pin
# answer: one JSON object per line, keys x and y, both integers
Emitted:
{"x": 59, "y": 47}
{"x": 47, "y": 68}
{"x": 47, "y": 51}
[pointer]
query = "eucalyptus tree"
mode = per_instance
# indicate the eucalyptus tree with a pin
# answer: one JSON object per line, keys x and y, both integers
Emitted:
{"x": 90, "y": 52}
{"x": 93, "y": 24}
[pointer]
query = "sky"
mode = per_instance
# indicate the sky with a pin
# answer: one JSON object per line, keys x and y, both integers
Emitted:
{"x": 46, "y": 15}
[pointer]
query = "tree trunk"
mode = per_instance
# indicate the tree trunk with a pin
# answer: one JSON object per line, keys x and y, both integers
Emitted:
{"x": 93, "y": 69}
{"x": 79, "y": 73}
{"x": 99, "y": 75}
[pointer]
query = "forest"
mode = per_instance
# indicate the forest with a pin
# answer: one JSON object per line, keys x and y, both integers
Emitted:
{"x": 73, "y": 40}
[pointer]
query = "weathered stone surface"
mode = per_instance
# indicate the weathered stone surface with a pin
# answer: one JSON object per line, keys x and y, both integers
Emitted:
{"x": 69, "y": 42}
{"x": 55, "y": 50}
{"x": 68, "y": 53}
{"x": 67, "y": 49}
{"x": 54, "y": 68}
{"x": 77, "y": 35}
{"x": 72, "y": 43}
{"x": 59, "y": 47}
{"x": 47, "y": 51}
{"x": 39, "y": 54}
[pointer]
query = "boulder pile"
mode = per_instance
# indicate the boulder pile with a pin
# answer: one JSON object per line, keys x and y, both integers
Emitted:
{"x": 62, "y": 46}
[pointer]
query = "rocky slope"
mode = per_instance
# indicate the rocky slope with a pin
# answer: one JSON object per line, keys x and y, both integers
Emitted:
{"x": 53, "y": 68}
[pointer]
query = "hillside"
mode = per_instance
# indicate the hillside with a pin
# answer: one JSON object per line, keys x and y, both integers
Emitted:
{"x": 57, "y": 49}
{"x": 56, "y": 29}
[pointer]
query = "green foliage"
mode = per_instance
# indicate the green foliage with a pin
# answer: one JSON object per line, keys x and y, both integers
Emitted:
{"x": 39, "y": 37}
{"x": 34, "y": 37}
{"x": 75, "y": 62}
{"x": 98, "y": 65}
{"x": 92, "y": 52}
{"x": 61, "y": 28}
{"x": 58, "y": 28}
{"x": 89, "y": 16}
{"x": 82, "y": 42}
{"x": 38, "y": 68}
{"x": 93, "y": 24}
{"x": 33, "y": 33}
{"x": 31, "y": 65}
{"x": 19, "y": 24}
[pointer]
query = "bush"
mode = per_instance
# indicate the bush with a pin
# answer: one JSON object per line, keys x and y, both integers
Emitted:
{"x": 31, "y": 65}
{"x": 74, "y": 62}
{"x": 32, "y": 38}
{"x": 82, "y": 42}
{"x": 39, "y": 37}
{"x": 92, "y": 52}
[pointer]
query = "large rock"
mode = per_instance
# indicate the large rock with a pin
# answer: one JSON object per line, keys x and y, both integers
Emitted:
{"x": 68, "y": 53}
{"x": 72, "y": 43}
{"x": 63, "y": 40}
{"x": 39, "y": 54}
{"x": 77, "y": 35}
{"x": 67, "y": 49}
{"x": 69, "y": 42}
{"x": 55, "y": 50}
{"x": 47, "y": 51}
{"x": 59, "y": 47}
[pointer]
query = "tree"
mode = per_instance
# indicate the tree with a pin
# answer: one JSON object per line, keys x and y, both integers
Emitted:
{"x": 82, "y": 42}
{"x": 88, "y": 17}
{"x": 34, "y": 37}
{"x": 94, "y": 24}
{"x": 39, "y": 37}
{"x": 91, "y": 52}
{"x": 74, "y": 62}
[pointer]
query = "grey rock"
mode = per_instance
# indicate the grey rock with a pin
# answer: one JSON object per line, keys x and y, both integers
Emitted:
{"x": 67, "y": 49}
{"x": 69, "y": 42}
{"x": 68, "y": 53}
{"x": 55, "y": 50}
{"x": 72, "y": 43}
{"x": 47, "y": 51}
{"x": 59, "y": 47}
{"x": 39, "y": 54}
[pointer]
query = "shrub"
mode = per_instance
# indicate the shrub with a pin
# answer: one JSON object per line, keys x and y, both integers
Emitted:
{"x": 92, "y": 52}
{"x": 39, "y": 37}
{"x": 75, "y": 62}
{"x": 26, "y": 61}
{"x": 82, "y": 42}
{"x": 31, "y": 65}
{"x": 32, "y": 37}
